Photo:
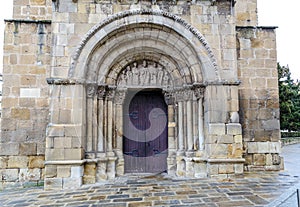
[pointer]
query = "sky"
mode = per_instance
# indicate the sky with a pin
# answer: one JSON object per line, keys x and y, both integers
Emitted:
{"x": 283, "y": 14}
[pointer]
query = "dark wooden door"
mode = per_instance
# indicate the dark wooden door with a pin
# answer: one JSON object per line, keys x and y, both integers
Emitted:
{"x": 145, "y": 143}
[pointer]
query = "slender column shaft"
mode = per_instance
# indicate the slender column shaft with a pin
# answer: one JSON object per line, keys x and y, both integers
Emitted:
{"x": 95, "y": 124}
{"x": 171, "y": 129}
{"x": 201, "y": 123}
{"x": 109, "y": 125}
{"x": 100, "y": 144}
{"x": 180, "y": 126}
{"x": 89, "y": 143}
{"x": 189, "y": 124}
{"x": 119, "y": 126}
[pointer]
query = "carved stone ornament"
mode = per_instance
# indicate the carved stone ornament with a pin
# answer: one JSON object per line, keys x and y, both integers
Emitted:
{"x": 169, "y": 97}
{"x": 110, "y": 93}
{"x": 101, "y": 92}
{"x": 120, "y": 96}
{"x": 184, "y": 94}
{"x": 199, "y": 91}
{"x": 90, "y": 91}
{"x": 146, "y": 73}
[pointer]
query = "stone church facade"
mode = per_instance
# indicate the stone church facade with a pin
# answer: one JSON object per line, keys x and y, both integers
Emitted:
{"x": 95, "y": 89}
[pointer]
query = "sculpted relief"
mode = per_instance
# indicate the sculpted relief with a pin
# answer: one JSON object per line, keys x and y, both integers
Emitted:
{"x": 146, "y": 73}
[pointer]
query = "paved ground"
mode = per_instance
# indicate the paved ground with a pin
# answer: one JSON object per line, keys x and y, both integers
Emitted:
{"x": 259, "y": 189}
{"x": 291, "y": 154}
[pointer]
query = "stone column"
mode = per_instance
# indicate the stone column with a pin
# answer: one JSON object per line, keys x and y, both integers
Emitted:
{"x": 100, "y": 141}
{"x": 110, "y": 96}
{"x": 171, "y": 160}
{"x": 90, "y": 93}
{"x": 180, "y": 126}
{"x": 180, "y": 162}
{"x": 101, "y": 155}
{"x": 189, "y": 154}
{"x": 189, "y": 119}
{"x": 199, "y": 94}
{"x": 111, "y": 162}
{"x": 119, "y": 100}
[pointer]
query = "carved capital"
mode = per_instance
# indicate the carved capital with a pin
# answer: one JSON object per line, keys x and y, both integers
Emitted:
{"x": 198, "y": 91}
{"x": 110, "y": 93}
{"x": 120, "y": 96}
{"x": 169, "y": 97}
{"x": 184, "y": 94}
{"x": 101, "y": 92}
{"x": 90, "y": 90}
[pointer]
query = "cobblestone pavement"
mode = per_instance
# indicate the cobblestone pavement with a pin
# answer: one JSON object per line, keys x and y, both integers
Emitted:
{"x": 253, "y": 189}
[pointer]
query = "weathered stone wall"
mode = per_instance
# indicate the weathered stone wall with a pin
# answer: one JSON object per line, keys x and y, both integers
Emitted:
{"x": 259, "y": 101}
{"x": 32, "y": 9}
{"x": 72, "y": 21}
{"x": 246, "y": 12}
{"x": 25, "y": 100}
{"x": 83, "y": 45}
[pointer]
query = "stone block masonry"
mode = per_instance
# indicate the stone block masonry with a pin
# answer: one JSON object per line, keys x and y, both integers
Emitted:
{"x": 72, "y": 68}
{"x": 25, "y": 105}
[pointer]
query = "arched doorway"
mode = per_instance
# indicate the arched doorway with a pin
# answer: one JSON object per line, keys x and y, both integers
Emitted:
{"x": 145, "y": 128}
{"x": 144, "y": 53}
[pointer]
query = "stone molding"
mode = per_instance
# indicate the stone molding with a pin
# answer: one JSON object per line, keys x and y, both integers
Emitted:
{"x": 124, "y": 14}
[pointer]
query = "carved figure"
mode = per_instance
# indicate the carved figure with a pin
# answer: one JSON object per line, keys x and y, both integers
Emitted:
{"x": 129, "y": 75}
{"x": 144, "y": 74}
{"x": 166, "y": 78}
{"x": 135, "y": 74}
{"x": 123, "y": 78}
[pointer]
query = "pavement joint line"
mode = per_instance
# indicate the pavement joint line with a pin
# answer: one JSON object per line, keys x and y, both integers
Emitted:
{"x": 281, "y": 199}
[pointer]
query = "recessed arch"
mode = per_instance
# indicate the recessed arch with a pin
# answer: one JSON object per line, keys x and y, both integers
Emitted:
{"x": 124, "y": 35}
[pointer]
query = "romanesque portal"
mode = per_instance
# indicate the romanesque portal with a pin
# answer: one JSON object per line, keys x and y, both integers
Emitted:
{"x": 188, "y": 88}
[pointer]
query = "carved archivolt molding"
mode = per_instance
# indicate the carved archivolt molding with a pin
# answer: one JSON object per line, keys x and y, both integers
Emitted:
{"x": 124, "y": 14}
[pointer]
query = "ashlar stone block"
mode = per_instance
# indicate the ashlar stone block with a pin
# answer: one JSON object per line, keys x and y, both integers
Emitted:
{"x": 264, "y": 147}
{"x": 17, "y": 162}
{"x": 53, "y": 183}
{"x": 226, "y": 169}
{"x": 234, "y": 128}
{"x": 50, "y": 171}
{"x": 259, "y": 159}
{"x": 10, "y": 175}
{"x": 63, "y": 171}
{"x": 238, "y": 168}
{"x": 36, "y": 162}
{"x": 72, "y": 183}
{"x": 3, "y": 162}
{"x": 77, "y": 171}
{"x": 27, "y": 149}
{"x": 218, "y": 129}
{"x": 29, "y": 174}
{"x": 9, "y": 149}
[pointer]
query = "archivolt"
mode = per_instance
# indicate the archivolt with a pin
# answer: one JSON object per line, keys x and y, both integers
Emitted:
{"x": 112, "y": 38}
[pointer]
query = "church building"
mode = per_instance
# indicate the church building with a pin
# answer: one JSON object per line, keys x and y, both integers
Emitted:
{"x": 98, "y": 89}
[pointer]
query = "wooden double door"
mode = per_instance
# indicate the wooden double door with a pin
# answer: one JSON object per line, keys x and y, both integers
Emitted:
{"x": 145, "y": 139}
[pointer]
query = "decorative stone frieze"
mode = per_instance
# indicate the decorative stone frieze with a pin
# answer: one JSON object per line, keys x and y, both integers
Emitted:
{"x": 147, "y": 73}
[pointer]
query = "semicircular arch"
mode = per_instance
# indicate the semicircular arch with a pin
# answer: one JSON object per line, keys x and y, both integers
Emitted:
{"x": 192, "y": 55}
